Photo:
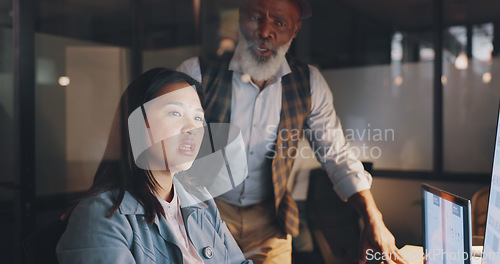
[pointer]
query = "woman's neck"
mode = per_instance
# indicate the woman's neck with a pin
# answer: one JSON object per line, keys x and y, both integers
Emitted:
{"x": 164, "y": 179}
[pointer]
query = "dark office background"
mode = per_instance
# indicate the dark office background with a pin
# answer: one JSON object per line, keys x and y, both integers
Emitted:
{"x": 428, "y": 69}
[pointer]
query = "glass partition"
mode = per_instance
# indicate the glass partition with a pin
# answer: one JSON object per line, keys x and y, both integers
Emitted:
{"x": 8, "y": 159}
{"x": 381, "y": 78}
{"x": 386, "y": 112}
{"x": 78, "y": 86}
{"x": 7, "y": 128}
{"x": 471, "y": 96}
{"x": 82, "y": 61}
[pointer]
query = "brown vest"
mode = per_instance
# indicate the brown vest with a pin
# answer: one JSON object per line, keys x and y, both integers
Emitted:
{"x": 295, "y": 108}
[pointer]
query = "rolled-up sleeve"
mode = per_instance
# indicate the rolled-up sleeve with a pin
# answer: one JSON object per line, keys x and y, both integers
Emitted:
{"x": 327, "y": 140}
{"x": 93, "y": 237}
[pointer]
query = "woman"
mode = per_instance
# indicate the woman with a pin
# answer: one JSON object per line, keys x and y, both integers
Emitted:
{"x": 132, "y": 213}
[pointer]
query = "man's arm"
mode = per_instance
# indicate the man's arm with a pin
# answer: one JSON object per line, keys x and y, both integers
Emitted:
{"x": 351, "y": 182}
{"x": 375, "y": 234}
{"x": 330, "y": 147}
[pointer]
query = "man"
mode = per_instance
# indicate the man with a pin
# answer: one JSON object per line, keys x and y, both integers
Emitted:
{"x": 276, "y": 99}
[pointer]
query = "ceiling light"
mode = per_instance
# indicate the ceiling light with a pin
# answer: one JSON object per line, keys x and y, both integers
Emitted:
{"x": 486, "y": 77}
{"x": 64, "y": 81}
{"x": 462, "y": 62}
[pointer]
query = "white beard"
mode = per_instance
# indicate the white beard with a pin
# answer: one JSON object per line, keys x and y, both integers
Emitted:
{"x": 260, "y": 68}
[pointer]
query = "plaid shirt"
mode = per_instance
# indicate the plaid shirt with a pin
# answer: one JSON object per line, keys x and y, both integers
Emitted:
{"x": 295, "y": 108}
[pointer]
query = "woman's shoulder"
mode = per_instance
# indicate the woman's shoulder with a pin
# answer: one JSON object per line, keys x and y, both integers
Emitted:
{"x": 96, "y": 214}
{"x": 104, "y": 204}
{"x": 98, "y": 202}
{"x": 94, "y": 232}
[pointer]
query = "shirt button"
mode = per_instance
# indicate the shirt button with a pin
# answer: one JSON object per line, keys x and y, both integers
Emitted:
{"x": 245, "y": 78}
{"x": 208, "y": 252}
{"x": 251, "y": 152}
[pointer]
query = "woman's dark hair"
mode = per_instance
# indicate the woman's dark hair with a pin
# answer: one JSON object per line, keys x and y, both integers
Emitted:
{"x": 117, "y": 170}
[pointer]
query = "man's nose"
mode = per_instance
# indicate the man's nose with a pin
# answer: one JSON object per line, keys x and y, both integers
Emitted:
{"x": 265, "y": 30}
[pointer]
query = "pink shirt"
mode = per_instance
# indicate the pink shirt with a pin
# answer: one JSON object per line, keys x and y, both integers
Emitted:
{"x": 176, "y": 223}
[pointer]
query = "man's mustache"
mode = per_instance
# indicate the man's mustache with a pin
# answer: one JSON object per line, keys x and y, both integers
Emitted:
{"x": 262, "y": 42}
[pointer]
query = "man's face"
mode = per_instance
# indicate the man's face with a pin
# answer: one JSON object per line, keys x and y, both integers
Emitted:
{"x": 268, "y": 25}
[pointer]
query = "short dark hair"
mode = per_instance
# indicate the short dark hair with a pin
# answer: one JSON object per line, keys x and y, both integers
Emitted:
{"x": 117, "y": 171}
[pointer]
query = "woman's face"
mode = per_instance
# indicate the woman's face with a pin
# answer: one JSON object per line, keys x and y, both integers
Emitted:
{"x": 175, "y": 120}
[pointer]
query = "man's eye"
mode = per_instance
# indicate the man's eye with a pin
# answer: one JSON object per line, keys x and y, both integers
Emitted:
{"x": 281, "y": 24}
{"x": 174, "y": 113}
{"x": 254, "y": 18}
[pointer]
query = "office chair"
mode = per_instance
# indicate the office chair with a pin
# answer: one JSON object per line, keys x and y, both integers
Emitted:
{"x": 40, "y": 247}
{"x": 335, "y": 226}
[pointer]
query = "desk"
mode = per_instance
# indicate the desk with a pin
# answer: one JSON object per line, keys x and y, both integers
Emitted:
{"x": 413, "y": 254}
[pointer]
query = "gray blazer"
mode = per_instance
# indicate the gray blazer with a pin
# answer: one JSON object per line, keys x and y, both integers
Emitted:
{"x": 92, "y": 237}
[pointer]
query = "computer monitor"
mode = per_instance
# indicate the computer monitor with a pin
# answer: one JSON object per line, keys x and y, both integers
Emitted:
{"x": 447, "y": 227}
{"x": 491, "y": 253}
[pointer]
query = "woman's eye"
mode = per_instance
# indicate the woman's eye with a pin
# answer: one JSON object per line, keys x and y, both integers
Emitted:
{"x": 174, "y": 113}
{"x": 198, "y": 118}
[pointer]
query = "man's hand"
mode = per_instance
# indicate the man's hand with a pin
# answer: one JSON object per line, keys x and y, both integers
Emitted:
{"x": 377, "y": 242}
{"x": 377, "y": 238}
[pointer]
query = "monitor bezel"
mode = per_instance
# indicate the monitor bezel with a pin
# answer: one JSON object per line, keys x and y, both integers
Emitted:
{"x": 497, "y": 134}
{"x": 456, "y": 199}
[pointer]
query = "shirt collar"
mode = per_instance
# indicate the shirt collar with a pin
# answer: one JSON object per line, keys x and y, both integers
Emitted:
{"x": 172, "y": 205}
{"x": 130, "y": 205}
{"x": 193, "y": 197}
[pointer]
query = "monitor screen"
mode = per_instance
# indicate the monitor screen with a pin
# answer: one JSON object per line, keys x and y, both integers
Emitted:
{"x": 447, "y": 228}
{"x": 491, "y": 254}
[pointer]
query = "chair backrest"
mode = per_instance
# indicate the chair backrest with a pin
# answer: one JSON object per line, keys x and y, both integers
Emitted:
{"x": 479, "y": 204}
{"x": 40, "y": 247}
{"x": 335, "y": 225}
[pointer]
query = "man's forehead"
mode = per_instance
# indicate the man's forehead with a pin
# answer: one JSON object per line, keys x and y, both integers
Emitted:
{"x": 290, "y": 7}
